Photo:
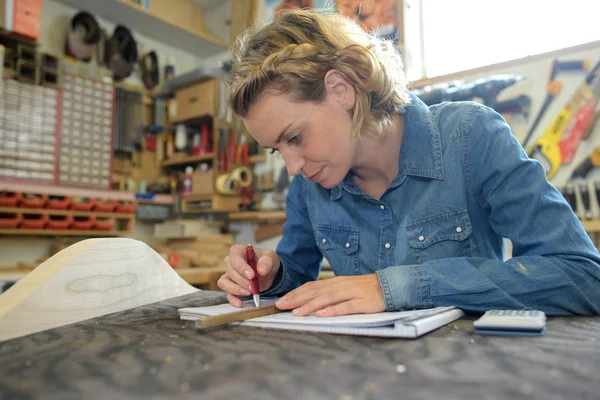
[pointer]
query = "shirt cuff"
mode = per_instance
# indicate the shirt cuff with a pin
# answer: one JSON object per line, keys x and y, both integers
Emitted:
{"x": 405, "y": 287}
{"x": 279, "y": 283}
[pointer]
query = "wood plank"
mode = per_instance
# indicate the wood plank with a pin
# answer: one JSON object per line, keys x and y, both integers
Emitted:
{"x": 257, "y": 215}
{"x": 200, "y": 276}
{"x": 268, "y": 231}
{"x": 63, "y": 232}
{"x": 87, "y": 279}
{"x": 45, "y": 211}
{"x": 182, "y": 160}
{"x": 591, "y": 225}
{"x": 65, "y": 191}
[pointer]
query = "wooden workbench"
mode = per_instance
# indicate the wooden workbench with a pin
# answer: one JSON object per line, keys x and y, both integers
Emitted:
{"x": 148, "y": 353}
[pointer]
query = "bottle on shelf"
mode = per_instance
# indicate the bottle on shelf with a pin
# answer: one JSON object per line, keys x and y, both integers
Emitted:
{"x": 187, "y": 181}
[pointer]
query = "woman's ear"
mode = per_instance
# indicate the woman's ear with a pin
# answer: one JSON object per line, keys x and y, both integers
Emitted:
{"x": 339, "y": 88}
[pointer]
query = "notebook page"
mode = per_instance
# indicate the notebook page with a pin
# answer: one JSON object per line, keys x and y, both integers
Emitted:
{"x": 357, "y": 320}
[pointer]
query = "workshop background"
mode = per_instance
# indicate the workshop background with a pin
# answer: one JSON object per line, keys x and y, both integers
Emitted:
{"x": 112, "y": 119}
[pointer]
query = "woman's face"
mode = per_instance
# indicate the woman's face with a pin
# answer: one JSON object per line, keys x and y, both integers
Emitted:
{"x": 314, "y": 139}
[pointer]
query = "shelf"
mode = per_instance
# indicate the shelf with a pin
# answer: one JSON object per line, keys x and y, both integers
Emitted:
{"x": 153, "y": 25}
{"x": 66, "y": 191}
{"x": 591, "y": 225}
{"x": 257, "y": 215}
{"x": 157, "y": 199}
{"x": 38, "y": 211}
{"x": 182, "y": 160}
{"x": 201, "y": 276}
{"x": 62, "y": 232}
{"x": 258, "y": 158}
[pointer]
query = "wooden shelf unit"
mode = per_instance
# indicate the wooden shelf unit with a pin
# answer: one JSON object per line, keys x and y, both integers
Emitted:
{"x": 179, "y": 160}
{"x": 124, "y": 226}
{"x": 61, "y": 232}
{"x": 45, "y": 211}
{"x": 591, "y": 225}
{"x": 153, "y": 25}
{"x": 256, "y": 215}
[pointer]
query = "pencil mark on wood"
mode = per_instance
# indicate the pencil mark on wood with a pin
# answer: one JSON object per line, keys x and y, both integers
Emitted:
{"x": 102, "y": 283}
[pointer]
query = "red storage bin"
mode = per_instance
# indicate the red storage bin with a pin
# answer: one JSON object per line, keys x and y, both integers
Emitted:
{"x": 126, "y": 206}
{"x": 105, "y": 205}
{"x": 59, "y": 221}
{"x": 10, "y": 199}
{"x": 34, "y": 221}
{"x": 59, "y": 202}
{"x": 33, "y": 200}
{"x": 104, "y": 224}
{"x": 83, "y": 203}
{"x": 83, "y": 223}
{"x": 10, "y": 220}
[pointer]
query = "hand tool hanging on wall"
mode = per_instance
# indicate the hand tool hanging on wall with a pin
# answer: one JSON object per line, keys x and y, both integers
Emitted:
{"x": 129, "y": 121}
{"x": 149, "y": 70}
{"x": 553, "y": 88}
{"x": 518, "y": 105}
{"x": 121, "y": 53}
{"x": 486, "y": 89}
{"x": 84, "y": 33}
{"x": 569, "y": 124}
{"x": 587, "y": 164}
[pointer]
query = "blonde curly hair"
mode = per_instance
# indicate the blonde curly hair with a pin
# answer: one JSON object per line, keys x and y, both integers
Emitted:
{"x": 293, "y": 54}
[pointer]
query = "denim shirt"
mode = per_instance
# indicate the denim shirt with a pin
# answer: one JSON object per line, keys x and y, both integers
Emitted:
{"x": 435, "y": 236}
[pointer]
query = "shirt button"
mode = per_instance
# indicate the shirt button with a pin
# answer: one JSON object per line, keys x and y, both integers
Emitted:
{"x": 458, "y": 229}
{"x": 347, "y": 245}
{"x": 324, "y": 241}
{"x": 382, "y": 207}
{"x": 421, "y": 238}
{"x": 387, "y": 245}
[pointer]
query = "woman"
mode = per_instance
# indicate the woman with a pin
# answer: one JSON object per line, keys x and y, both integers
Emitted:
{"x": 408, "y": 203}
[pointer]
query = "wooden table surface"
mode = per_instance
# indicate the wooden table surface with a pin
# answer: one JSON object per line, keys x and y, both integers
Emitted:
{"x": 148, "y": 353}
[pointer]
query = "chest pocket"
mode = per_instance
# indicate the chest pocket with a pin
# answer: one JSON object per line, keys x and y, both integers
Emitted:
{"x": 441, "y": 236}
{"x": 339, "y": 246}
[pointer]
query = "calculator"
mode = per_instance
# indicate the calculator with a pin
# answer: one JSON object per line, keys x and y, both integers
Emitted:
{"x": 511, "y": 322}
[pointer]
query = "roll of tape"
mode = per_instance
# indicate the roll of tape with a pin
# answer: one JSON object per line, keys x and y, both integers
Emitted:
{"x": 243, "y": 176}
{"x": 231, "y": 183}
{"x": 225, "y": 185}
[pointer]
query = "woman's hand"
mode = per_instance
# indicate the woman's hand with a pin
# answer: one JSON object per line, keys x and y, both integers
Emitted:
{"x": 236, "y": 279}
{"x": 336, "y": 296}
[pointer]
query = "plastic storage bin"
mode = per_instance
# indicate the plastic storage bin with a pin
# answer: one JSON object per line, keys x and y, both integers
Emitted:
{"x": 105, "y": 205}
{"x": 83, "y": 203}
{"x": 83, "y": 223}
{"x": 59, "y": 221}
{"x": 104, "y": 224}
{"x": 10, "y": 199}
{"x": 33, "y": 200}
{"x": 34, "y": 221}
{"x": 10, "y": 220}
{"x": 59, "y": 202}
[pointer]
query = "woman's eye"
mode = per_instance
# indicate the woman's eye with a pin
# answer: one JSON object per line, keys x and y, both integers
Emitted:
{"x": 294, "y": 140}
{"x": 273, "y": 151}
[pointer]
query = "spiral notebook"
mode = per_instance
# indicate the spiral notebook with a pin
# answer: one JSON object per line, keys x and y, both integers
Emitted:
{"x": 401, "y": 324}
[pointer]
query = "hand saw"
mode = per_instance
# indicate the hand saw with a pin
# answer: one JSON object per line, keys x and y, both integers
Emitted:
{"x": 568, "y": 126}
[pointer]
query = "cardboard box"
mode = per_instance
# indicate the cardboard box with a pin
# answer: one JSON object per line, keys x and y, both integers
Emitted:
{"x": 197, "y": 100}
{"x": 23, "y": 17}
{"x": 202, "y": 183}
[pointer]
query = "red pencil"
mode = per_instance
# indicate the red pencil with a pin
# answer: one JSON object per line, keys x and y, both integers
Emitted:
{"x": 251, "y": 258}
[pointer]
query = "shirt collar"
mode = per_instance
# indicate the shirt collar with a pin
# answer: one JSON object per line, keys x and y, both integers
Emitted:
{"x": 420, "y": 152}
